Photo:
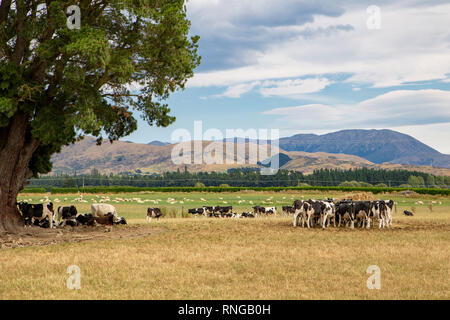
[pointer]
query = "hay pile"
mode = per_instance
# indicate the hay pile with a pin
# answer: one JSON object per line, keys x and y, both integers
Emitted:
{"x": 359, "y": 196}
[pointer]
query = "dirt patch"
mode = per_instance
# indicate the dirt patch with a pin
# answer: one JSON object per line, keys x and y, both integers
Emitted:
{"x": 36, "y": 236}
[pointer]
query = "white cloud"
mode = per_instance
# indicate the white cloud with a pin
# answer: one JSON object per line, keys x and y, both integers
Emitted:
{"x": 412, "y": 45}
{"x": 238, "y": 90}
{"x": 293, "y": 88}
{"x": 393, "y": 109}
{"x": 436, "y": 136}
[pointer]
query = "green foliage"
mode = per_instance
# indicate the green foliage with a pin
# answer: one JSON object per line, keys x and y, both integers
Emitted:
{"x": 247, "y": 177}
{"x": 416, "y": 181}
{"x": 34, "y": 190}
{"x": 107, "y": 190}
{"x": 71, "y": 83}
{"x": 349, "y": 184}
{"x": 381, "y": 185}
{"x": 199, "y": 185}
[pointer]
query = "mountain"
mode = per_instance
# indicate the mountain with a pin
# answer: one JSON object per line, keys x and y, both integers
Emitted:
{"x": 377, "y": 146}
{"x": 158, "y": 143}
{"x": 123, "y": 156}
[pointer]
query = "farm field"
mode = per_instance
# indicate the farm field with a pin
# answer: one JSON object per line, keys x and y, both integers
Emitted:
{"x": 199, "y": 258}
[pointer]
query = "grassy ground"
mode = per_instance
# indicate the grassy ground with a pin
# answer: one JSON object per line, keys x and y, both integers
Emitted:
{"x": 263, "y": 258}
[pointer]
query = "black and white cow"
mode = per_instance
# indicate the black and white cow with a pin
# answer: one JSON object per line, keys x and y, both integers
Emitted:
{"x": 390, "y": 206}
{"x": 375, "y": 214}
{"x": 328, "y": 213}
{"x": 270, "y": 210}
{"x": 288, "y": 210}
{"x": 86, "y": 219}
{"x": 31, "y": 212}
{"x": 408, "y": 213}
{"x": 257, "y": 210}
{"x": 154, "y": 213}
{"x": 318, "y": 207}
{"x": 68, "y": 215}
{"x": 362, "y": 213}
{"x": 247, "y": 215}
{"x": 345, "y": 213}
{"x": 219, "y": 211}
{"x": 303, "y": 212}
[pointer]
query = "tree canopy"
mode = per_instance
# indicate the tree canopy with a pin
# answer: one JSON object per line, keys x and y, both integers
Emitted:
{"x": 71, "y": 82}
{"x": 58, "y": 84}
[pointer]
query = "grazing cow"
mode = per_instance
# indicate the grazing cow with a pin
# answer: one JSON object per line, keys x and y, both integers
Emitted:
{"x": 243, "y": 215}
{"x": 328, "y": 213}
{"x": 258, "y": 210}
{"x": 121, "y": 221}
{"x": 408, "y": 213}
{"x": 288, "y": 210}
{"x": 193, "y": 211}
{"x": 318, "y": 207}
{"x": 86, "y": 219}
{"x": 222, "y": 210}
{"x": 154, "y": 213}
{"x": 68, "y": 216}
{"x": 208, "y": 211}
{"x": 247, "y": 215}
{"x": 38, "y": 212}
{"x": 101, "y": 209}
{"x": 44, "y": 223}
{"x": 383, "y": 214}
{"x": 270, "y": 210}
{"x": 362, "y": 213}
{"x": 390, "y": 206}
{"x": 106, "y": 219}
{"x": 345, "y": 212}
{"x": 375, "y": 213}
{"x": 303, "y": 211}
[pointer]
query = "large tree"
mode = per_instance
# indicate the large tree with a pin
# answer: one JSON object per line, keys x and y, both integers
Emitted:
{"x": 58, "y": 84}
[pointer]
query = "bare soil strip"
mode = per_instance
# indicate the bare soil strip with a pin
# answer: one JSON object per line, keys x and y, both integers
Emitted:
{"x": 36, "y": 236}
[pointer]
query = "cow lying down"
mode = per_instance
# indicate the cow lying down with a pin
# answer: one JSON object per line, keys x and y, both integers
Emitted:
{"x": 37, "y": 214}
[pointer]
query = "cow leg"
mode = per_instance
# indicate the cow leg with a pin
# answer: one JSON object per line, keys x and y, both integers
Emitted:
{"x": 296, "y": 218}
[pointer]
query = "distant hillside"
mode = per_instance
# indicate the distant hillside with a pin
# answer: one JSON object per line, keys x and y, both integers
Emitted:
{"x": 377, "y": 146}
{"x": 158, "y": 143}
{"x": 123, "y": 156}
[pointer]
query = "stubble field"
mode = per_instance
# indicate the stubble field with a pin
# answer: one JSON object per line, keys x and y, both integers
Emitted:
{"x": 200, "y": 258}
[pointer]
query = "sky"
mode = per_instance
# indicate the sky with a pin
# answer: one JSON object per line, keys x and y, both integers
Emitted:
{"x": 317, "y": 67}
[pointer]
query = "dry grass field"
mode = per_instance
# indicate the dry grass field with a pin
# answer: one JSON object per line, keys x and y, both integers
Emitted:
{"x": 264, "y": 258}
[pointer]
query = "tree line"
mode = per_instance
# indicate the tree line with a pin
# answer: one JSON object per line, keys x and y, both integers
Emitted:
{"x": 248, "y": 177}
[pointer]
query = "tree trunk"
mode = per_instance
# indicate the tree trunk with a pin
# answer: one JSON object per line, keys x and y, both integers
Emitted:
{"x": 16, "y": 149}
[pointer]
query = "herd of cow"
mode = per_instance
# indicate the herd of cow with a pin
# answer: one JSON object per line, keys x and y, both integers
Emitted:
{"x": 219, "y": 212}
{"x": 43, "y": 215}
{"x": 317, "y": 212}
{"x": 306, "y": 213}
{"x": 346, "y": 212}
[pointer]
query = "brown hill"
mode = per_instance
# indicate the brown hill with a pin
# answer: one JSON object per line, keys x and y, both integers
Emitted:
{"x": 122, "y": 156}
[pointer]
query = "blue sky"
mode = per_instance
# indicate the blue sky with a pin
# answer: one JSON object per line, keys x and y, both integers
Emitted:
{"x": 316, "y": 67}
